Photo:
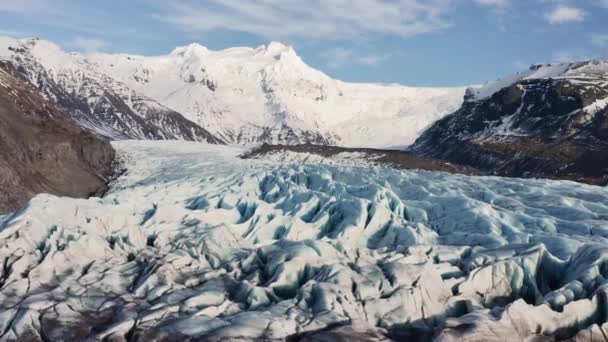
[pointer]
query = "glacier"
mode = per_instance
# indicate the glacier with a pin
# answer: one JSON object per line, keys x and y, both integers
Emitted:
{"x": 193, "y": 242}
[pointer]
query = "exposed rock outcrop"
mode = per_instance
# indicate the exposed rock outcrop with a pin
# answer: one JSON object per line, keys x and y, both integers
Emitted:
{"x": 550, "y": 127}
{"x": 42, "y": 150}
{"x": 356, "y": 156}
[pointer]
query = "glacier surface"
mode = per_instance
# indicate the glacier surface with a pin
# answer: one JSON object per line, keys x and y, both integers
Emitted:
{"x": 193, "y": 242}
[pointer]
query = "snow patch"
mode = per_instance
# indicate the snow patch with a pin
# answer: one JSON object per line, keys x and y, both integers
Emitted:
{"x": 576, "y": 72}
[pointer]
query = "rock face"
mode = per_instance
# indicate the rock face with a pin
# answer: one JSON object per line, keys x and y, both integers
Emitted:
{"x": 550, "y": 122}
{"x": 42, "y": 150}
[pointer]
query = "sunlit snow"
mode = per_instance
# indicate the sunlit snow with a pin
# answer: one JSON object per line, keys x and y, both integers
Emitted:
{"x": 247, "y": 95}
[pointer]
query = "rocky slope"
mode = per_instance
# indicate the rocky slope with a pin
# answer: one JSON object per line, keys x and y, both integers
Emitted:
{"x": 42, "y": 150}
{"x": 333, "y": 155}
{"x": 551, "y": 121}
{"x": 240, "y": 95}
{"x": 95, "y": 100}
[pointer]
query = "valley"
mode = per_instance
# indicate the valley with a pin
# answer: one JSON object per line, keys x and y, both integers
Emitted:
{"x": 242, "y": 195}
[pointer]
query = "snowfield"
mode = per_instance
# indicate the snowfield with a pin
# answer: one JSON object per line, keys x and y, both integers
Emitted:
{"x": 193, "y": 242}
{"x": 240, "y": 95}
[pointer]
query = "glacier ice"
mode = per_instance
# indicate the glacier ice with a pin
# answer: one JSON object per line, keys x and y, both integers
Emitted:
{"x": 193, "y": 242}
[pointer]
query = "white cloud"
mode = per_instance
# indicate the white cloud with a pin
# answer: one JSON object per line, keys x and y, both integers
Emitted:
{"x": 87, "y": 18}
{"x": 521, "y": 65}
{"x": 497, "y": 4}
{"x": 374, "y": 60}
{"x": 602, "y": 3}
{"x": 339, "y": 56}
{"x": 88, "y": 44}
{"x": 14, "y": 34}
{"x": 32, "y": 7}
{"x": 316, "y": 19}
{"x": 599, "y": 39}
{"x": 571, "y": 56}
{"x": 565, "y": 14}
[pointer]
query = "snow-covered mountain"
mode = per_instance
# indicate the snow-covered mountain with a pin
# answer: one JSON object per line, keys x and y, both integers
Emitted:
{"x": 550, "y": 121}
{"x": 240, "y": 95}
{"x": 94, "y": 99}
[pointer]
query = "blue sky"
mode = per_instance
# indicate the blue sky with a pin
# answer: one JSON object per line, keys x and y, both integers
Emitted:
{"x": 412, "y": 42}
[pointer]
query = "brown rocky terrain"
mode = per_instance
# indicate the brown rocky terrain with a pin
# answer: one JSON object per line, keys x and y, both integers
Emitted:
{"x": 545, "y": 128}
{"x": 390, "y": 158}
{"x": 42, "y": 150}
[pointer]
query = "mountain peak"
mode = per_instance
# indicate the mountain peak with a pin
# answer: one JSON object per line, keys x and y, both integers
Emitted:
{"x": 276, "y": 49}
{"x": 29, "y": 43}
{"x": 191, "y": 49}
{"x": 42, "y": 44}
{"x": 274, "y": 46}
{"x": 240, "y": 95}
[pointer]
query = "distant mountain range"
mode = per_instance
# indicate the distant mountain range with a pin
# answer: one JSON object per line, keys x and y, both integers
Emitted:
{"x": 239, "y": 95}
{"x": 548, "y": 121}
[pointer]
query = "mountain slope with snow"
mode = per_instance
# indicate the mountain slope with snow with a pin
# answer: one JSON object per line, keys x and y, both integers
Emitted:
{"x": 550, "y": 121}
{"x": 589, "y": 70}
{"x": 249, "y": 95}
{"x": 194, "y": 243}
{"x": 95, "y": 100}
{"x": 240, "y": 95}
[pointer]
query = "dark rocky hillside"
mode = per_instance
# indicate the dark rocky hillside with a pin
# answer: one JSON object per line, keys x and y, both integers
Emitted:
{"x": 552, "y": 127}
{"x": 42, "y": 150}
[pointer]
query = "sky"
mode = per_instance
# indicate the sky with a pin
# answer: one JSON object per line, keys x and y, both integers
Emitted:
{"x": 411, "y": 42}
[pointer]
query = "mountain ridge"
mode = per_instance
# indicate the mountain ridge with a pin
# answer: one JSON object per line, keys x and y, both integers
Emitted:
{"x": 266, "y": 94}
{"x": 94, "y": 100}
{"x": 551, "y": 121}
